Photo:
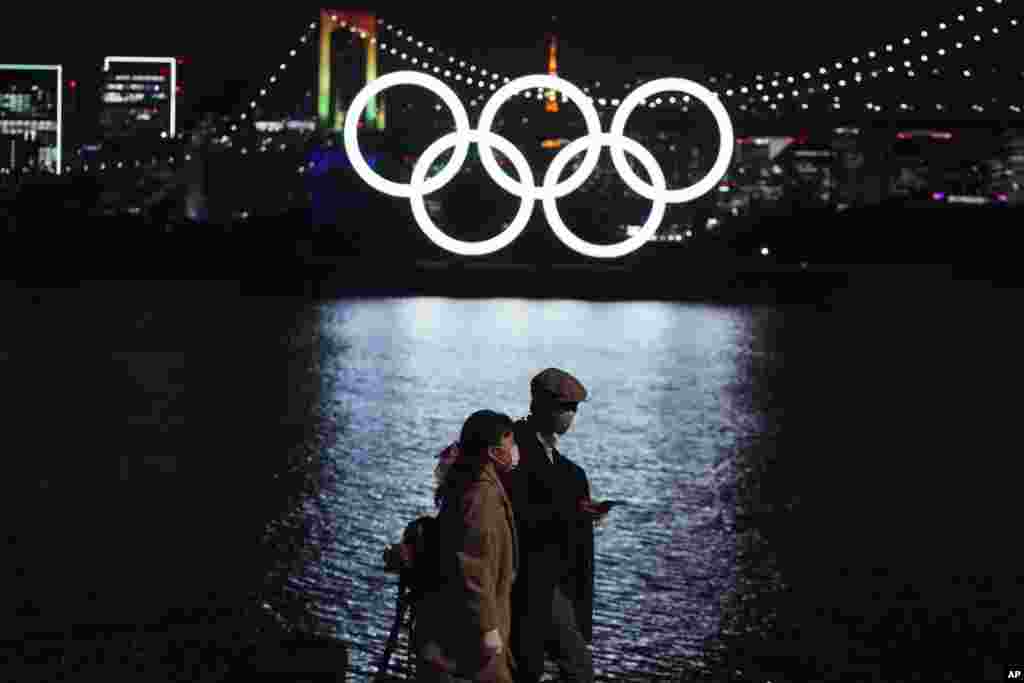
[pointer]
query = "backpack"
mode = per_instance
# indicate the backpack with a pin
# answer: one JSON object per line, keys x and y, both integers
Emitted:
{"x": 418, "y": 567}
{"x": 415, "y": 560}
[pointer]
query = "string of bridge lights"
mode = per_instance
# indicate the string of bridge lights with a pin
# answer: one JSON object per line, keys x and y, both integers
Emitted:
{"x": 964, "y": 73}
{"x": 108, "y": 167}
{"x": 812, "y": 77}
{"x": 810, "y": 86}
{"x": 111, "y": 167}
{"x": 469, "y": 75}
{"x": 356, "y": 31}
{"x": 484, "y": 79}
{"x": 448, "y": 66}
{"x": 450, "y": 71}
{"x": 305, "y": 41}
{"x": 812, "y": 83}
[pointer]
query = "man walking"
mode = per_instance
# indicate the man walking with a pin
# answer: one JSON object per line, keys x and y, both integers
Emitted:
{"x": 552, "y": 598}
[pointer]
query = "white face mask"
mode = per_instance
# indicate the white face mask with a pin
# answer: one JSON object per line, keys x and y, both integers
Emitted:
{"x": 515, "y": 456}
{"x": 563, "y": 421}
{"x": 508, "y": 462}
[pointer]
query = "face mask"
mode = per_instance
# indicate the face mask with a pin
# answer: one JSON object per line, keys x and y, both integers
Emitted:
{"x": 562, "y": 421}
{"x": 506, "y": 460}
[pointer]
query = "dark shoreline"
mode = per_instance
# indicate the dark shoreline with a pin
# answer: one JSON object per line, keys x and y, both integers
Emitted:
{"x": 304, "y": 268}
{"x": 813, "y": 257}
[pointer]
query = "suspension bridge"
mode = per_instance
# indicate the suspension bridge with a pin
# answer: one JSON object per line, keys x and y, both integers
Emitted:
{"x": 954, "y": 71}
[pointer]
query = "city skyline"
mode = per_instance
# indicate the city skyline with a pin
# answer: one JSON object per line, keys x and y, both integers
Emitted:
{"x": 282, "y": 83}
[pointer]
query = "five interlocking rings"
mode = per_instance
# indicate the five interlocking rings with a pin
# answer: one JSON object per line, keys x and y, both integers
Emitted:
{"x": 525, "y": 188}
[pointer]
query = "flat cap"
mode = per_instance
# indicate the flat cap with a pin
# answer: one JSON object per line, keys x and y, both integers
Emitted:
{"x": 559, "y": 385}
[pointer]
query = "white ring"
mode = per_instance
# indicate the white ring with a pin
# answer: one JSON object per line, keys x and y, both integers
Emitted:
{"x": 726, "y": 143}
{"x": 355, "y": 111}
{"x": 550, "y": 190}
{"x": 419, "y": 209}
{"x": 541, "y": 81}
{"x": 605, "y": 250}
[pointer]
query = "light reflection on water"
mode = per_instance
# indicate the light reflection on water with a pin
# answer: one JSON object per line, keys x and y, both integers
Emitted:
{"x": 658, "y": 427}
{"x": 792, "y": 493}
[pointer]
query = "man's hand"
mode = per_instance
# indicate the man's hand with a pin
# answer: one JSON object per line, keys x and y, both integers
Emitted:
{"x": 592, "y": 508}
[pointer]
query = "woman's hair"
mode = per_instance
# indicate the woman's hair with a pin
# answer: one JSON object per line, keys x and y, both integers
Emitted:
{"x": 481, "y": 430}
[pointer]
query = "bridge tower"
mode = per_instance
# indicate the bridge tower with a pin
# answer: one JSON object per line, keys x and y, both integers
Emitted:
{"x": 348, "y": 61}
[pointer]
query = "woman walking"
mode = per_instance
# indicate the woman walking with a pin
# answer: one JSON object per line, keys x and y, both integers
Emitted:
{"x": 462, "y": 629}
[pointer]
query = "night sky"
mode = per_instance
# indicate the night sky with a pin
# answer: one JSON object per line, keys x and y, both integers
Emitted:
{"x": 226, "y": 46}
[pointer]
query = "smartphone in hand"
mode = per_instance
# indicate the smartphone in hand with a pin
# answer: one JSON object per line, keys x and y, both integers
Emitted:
{"x": 599, "y": 508}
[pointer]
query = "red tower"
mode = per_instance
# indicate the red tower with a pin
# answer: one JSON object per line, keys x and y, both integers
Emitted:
{"x": 551, "y": 97}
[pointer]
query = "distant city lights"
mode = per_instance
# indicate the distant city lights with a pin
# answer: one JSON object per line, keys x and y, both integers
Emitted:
{"x": 59, "y": 87}
{"x": 921, "y": 51}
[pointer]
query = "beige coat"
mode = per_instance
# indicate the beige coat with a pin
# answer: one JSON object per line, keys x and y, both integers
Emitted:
{"x": 479, "y": 557}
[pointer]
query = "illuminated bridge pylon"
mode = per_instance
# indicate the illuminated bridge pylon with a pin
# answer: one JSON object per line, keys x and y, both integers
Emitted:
{"x": 348, "y": 61}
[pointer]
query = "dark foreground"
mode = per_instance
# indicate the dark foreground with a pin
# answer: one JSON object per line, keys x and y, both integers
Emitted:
{"x": 128, "y": 558}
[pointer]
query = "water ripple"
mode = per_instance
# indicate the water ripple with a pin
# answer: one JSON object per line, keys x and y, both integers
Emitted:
{"x": 658, "y": 431}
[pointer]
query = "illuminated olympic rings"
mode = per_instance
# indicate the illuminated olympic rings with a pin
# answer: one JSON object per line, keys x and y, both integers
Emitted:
{"x": 525, "y": 188}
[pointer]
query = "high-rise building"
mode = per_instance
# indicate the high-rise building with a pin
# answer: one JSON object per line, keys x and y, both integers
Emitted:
{"x": 31, "y": 112}
{"x": 757, "y": 177}
{"x": 849, "y": 167}
{"x": 1002, "y": 173}
{"x": 140, "y": 97}
{"x": 810, "y": 173}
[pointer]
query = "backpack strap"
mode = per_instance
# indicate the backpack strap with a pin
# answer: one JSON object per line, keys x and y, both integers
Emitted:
{"x": 420, "y": 537}
{"x": 400, "y": 607}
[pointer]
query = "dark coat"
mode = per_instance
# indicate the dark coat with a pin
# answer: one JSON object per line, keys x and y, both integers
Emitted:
{"x": 479, "y": 559}
{"x": 556, "y": 545}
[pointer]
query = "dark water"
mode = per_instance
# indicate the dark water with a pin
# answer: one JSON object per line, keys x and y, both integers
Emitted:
{"x": 818, "y": 493}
